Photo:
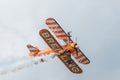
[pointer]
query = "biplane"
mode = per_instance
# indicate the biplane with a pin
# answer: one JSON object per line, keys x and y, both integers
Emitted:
{"x": 63, "y": 52}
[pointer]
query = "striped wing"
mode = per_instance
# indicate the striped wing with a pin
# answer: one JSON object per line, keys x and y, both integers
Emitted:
{"x": 56, "y": 29}
{"x": 60, "y": 34}
{"x": 53, "y": 44}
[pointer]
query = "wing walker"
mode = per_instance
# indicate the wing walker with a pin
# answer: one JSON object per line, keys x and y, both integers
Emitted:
{"x": 63, "y": 52}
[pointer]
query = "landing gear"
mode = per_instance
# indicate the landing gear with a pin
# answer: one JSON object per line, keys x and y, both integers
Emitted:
{"x": 70, "y": 61}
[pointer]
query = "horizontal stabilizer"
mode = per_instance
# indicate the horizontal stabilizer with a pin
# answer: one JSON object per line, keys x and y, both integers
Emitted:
{"x": 33, "y": 50}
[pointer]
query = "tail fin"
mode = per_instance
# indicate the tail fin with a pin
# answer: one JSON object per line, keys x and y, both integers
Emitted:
{"x": 33, "y": 50}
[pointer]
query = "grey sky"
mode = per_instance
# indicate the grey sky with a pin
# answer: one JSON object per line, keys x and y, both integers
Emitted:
{"x": 95, "y": 23}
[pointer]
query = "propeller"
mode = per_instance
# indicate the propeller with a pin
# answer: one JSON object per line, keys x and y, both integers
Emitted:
{"x": 76, "y": 40}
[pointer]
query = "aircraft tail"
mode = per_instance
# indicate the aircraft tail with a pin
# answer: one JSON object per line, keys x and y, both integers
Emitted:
{"x": 33, "y": 50}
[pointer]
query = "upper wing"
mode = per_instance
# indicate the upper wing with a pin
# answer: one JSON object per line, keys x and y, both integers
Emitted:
{"x": 56, "y": 29}
{"x": 60, "y": 34}
{"x": 53, "y": 44}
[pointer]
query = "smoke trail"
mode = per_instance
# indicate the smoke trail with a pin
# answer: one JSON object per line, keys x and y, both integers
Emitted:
{"x": 21, "y": 64}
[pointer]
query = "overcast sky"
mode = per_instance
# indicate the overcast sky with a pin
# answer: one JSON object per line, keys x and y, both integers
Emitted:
{"x": 95, "y": 23}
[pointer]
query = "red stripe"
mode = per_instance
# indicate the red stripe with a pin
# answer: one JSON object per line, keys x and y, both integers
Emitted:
{"x": 50, "y": 23}
{"x": 54, "y": 27}
{"x": 79, "y": 56}
{"x": 58, "y": 31}
{"x": 61, "y": 35}
{"x": 50, "y": 19}
{"x": 83, "y": 60}
{"x": 34, "y": 50}
{"x": 65, "y": 40}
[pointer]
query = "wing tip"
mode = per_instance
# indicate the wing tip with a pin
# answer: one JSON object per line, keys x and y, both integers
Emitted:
{"x": 50, "y": 18}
